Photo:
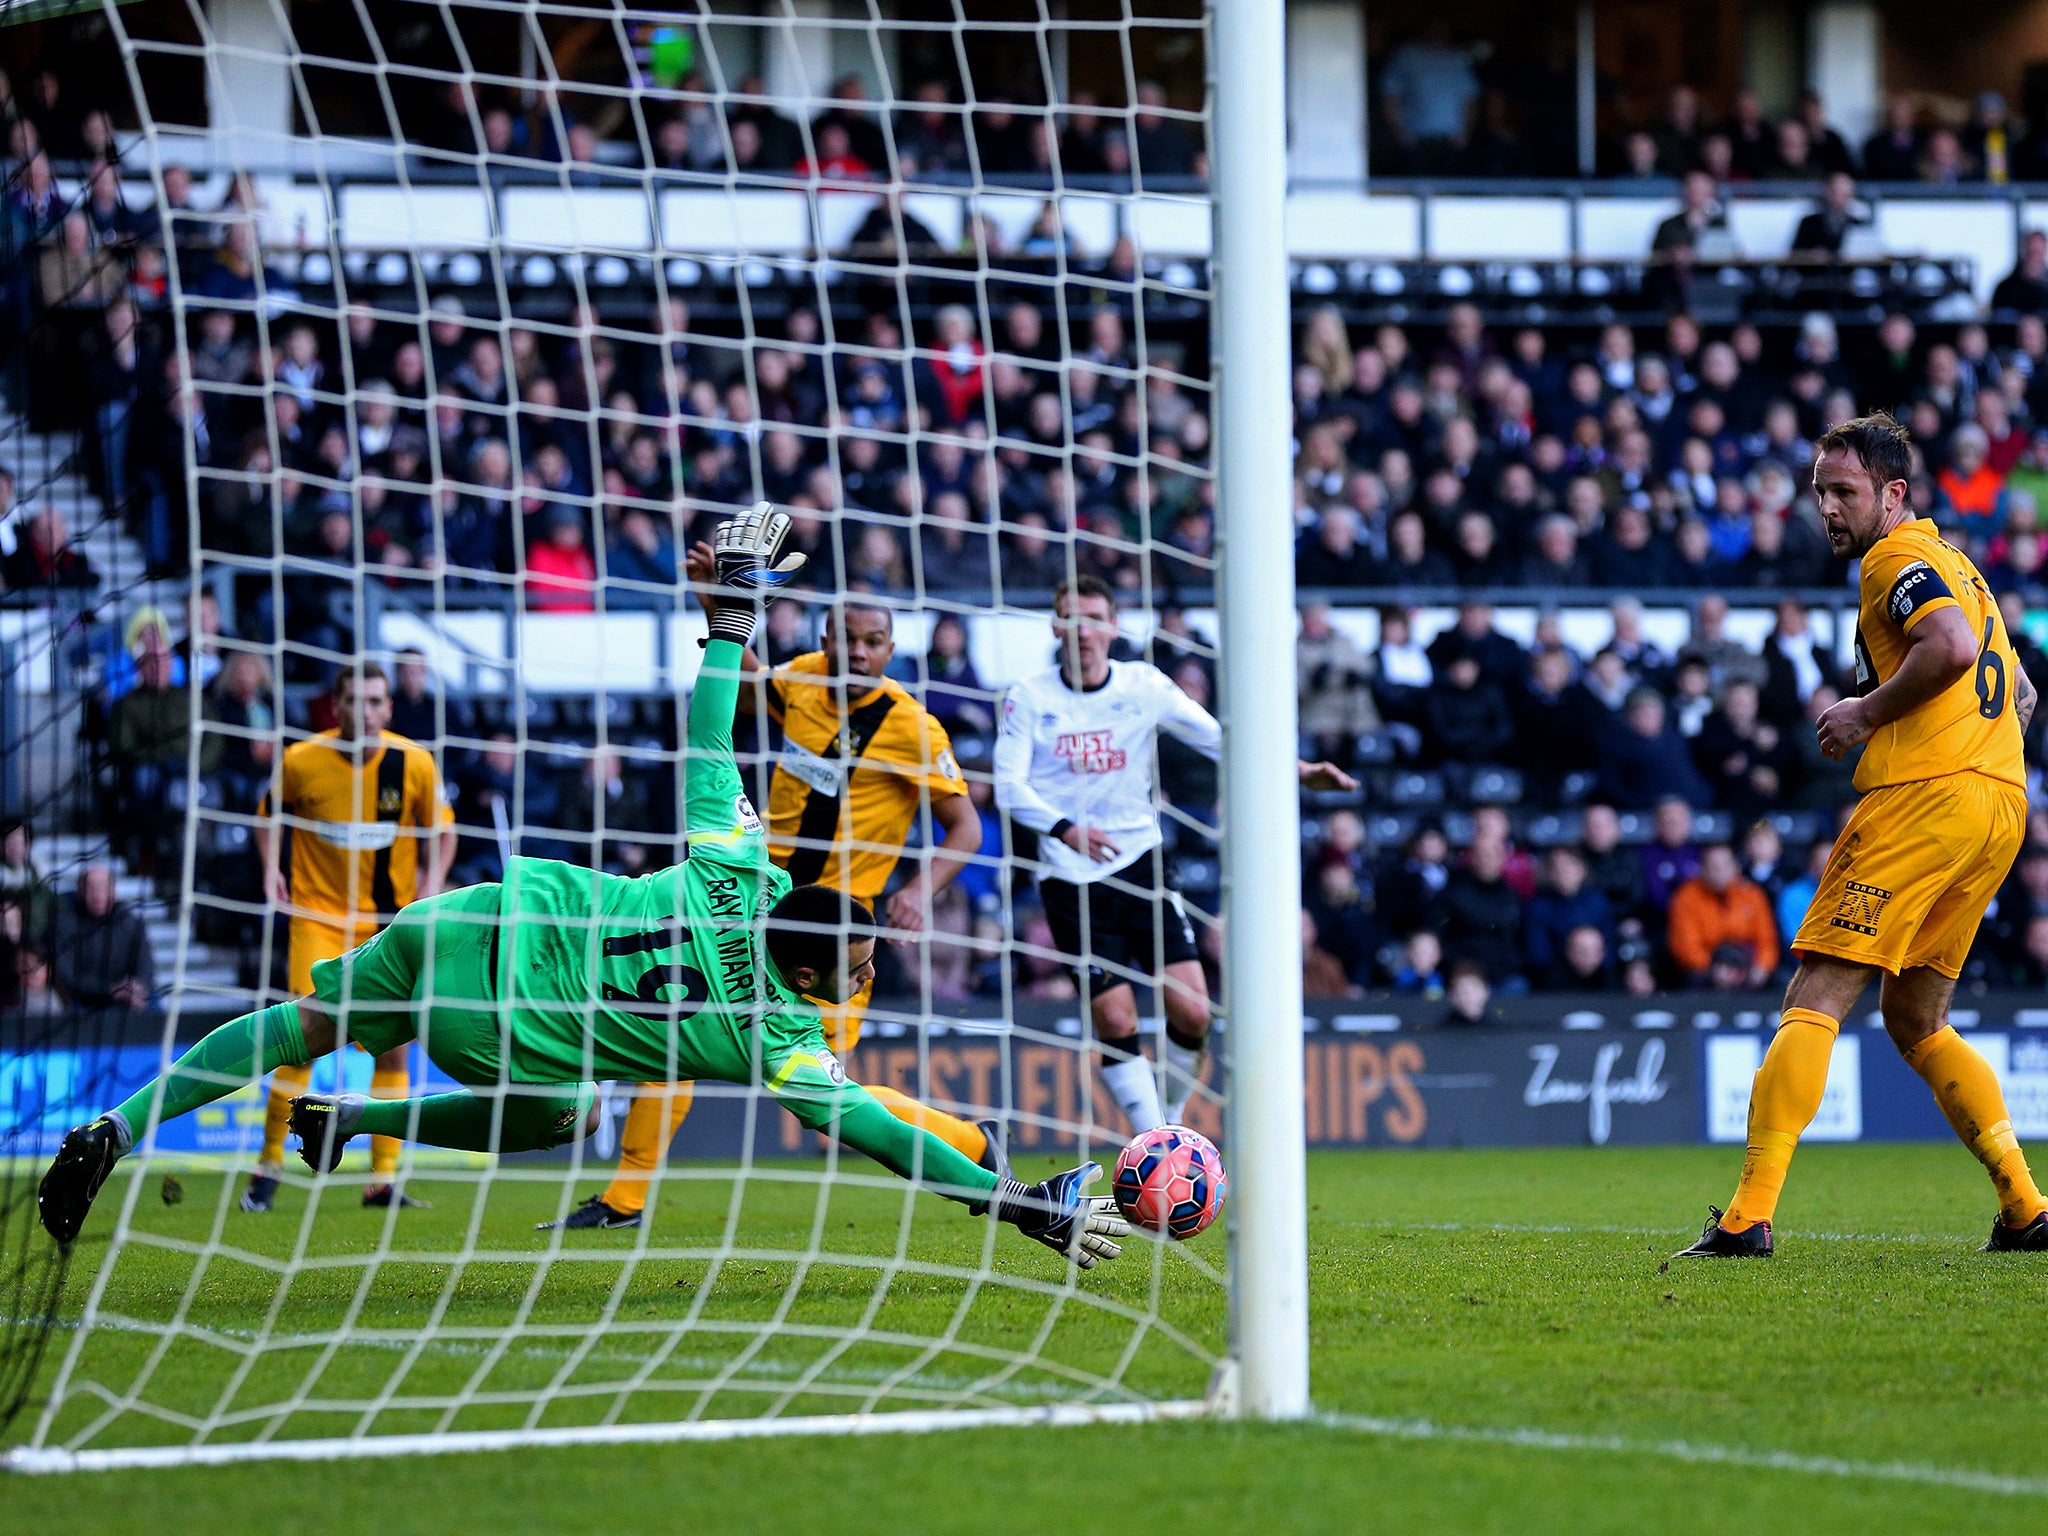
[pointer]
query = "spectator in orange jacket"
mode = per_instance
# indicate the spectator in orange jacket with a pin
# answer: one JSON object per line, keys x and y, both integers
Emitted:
{"x": 1716, "y": 907}
{"x": 1969, "y": 484}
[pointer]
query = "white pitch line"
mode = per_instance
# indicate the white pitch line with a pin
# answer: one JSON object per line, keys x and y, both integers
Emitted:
{"x": 2002, "y": 1483}
{"x": 1603, "y": 1229}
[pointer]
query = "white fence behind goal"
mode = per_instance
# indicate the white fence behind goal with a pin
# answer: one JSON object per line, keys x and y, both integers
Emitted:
{"x": 1050, "y": 348}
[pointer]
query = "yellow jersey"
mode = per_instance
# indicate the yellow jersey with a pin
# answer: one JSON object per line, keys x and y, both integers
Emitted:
{"x": 358, "y": 831}
{"x": 850, "y": 780}
{"x": 1970, "y": 727}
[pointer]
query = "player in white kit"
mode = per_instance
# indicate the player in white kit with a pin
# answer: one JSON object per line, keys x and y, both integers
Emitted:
{"x": 1074, "y": 761}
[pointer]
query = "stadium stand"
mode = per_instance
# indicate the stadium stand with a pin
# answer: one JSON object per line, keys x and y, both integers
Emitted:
{"x": 1567, "y": 608}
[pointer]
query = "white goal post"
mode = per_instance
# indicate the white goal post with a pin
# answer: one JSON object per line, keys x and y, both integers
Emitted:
{"x": 1269, "y": 1257}
{"x": 192, "y": 1341}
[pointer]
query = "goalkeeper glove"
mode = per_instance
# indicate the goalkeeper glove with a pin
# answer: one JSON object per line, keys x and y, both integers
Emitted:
{"x": 1084, "y": 1228}
{"x": 746, "y": 551}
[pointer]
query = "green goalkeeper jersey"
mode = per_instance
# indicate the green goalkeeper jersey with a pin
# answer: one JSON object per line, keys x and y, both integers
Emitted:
{"x": 662, "y": 977}
{"x": 658, "y": 977}
{"x": 666, "y": 978}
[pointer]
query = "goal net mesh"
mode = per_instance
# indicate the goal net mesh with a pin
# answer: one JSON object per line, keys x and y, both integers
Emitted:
{"x": 477, "y": 316}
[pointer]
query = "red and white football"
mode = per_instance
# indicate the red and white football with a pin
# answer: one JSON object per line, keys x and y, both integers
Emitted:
{"x": 1170, "y": 1181}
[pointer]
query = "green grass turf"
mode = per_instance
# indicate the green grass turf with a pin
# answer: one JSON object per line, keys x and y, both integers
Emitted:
{"x": 1497, "y": 1291}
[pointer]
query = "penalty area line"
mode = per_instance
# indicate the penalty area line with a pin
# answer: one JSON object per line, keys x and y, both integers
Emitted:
{"x": 1698, "y": 1454}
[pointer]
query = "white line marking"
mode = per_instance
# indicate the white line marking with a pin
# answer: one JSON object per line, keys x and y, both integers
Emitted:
{"x": 909, "y": 1421}
{"x": 1705, "y": 1455}
{"x": 1606, "y": 1230}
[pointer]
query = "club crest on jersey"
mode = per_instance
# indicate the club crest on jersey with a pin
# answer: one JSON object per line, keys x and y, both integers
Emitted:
{"x": 1090, "y": 751}
{"x": 390, "y": 800}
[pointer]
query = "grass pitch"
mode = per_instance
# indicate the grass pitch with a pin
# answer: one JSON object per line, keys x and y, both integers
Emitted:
{"x": 1496, "y": 1345}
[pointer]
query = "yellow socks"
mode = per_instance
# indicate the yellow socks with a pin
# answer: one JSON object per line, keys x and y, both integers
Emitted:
{"x": 658, "y": 1109}
{"x": 387, "y": 1083}
{"x": 1782, "y": 1103}
{"x": 962, "y": 1136}
{"x": 1967, "y": 1090}
{"x": 286, "y": 1084}
{"x": 650, "y": 1126}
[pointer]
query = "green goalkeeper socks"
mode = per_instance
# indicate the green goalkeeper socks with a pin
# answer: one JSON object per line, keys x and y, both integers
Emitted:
{"x": 531, "y": 1122}
{"x": 231, "y": 1057}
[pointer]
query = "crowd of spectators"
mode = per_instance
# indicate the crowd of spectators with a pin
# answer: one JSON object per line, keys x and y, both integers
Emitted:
{"x": 83, "y": 950}
{"x": 1592, "y": 911}
{"x": 933, "y": 137}
{"x": 1612, "y": 764}
{"x": 1914, "y": 143}
{"x": 1451, "y": 107}
{"x": 1482, "y": 459}
{"x": 980, "y": 453}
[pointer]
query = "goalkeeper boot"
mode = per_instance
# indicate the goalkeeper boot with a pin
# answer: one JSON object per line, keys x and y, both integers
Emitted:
{"x": 1717, "y": 1242}
{"x": 381, "y": 1197}
{"x": 87, "y": 1156}
{"x": 324, "y": 1122}
{"x": 261, "y": 1192}
{"x": 994, "y": 1157}
{"x": 2032, "y": 1238}
{"x": 591, "y": 1213}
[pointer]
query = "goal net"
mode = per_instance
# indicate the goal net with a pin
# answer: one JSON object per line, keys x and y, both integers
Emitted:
{"x": 472, "y": 320}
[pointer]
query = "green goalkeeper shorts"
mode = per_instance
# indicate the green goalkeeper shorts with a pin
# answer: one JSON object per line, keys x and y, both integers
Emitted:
{"x": 430, "y": 976}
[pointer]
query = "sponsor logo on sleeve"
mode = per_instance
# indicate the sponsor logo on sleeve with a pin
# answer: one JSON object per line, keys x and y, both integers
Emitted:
{"x": 743, "y": 813}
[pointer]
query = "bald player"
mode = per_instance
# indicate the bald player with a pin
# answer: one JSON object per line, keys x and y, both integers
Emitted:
{"x": 861, "y": 763}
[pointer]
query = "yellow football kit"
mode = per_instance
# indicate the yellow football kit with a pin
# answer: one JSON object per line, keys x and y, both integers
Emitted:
{"x": 356, "y": 832}
{"x": 1944, "y": 803}
{"x": 1942, "y": 815}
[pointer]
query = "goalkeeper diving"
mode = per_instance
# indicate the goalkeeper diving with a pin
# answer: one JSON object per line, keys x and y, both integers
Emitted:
{"x": 530, "y": 990}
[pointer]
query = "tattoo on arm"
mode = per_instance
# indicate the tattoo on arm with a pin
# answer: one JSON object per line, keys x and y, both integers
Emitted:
{"x": 2023, "y": 697}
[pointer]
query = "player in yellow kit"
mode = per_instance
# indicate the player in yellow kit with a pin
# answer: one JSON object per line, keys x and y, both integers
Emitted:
{"x": 370, "y": 832}
{"x": 1943, "y": 709}
{"x": 860, "y": 760}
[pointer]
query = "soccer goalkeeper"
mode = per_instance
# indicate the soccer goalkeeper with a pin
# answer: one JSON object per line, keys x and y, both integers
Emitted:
{"x": 529, "y": 990}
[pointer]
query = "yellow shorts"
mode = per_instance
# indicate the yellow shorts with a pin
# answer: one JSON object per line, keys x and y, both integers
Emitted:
{"x": 314, "y": 939}
{"x": 1913, "y": 871}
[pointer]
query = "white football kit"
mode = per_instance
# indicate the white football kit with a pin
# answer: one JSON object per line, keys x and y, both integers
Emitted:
{"x": 1088, "y": 756}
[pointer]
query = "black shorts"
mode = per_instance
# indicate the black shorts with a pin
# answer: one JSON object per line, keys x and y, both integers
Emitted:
{"x": 1134, "y": 921}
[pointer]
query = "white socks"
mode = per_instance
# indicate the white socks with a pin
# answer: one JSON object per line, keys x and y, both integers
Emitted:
{"x": 1131, "y": 1084}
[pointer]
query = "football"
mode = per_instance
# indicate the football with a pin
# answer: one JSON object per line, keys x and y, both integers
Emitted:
{"x": 1170, "y": 1181}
